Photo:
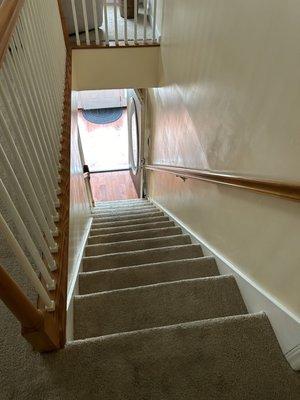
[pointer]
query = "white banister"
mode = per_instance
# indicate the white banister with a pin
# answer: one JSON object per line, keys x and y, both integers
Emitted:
{"x": 75, "y": 22}
{"x": 86, "y": 27}
{"x": 23, "y": 232}
{"x": 145, "y": 21}
{"x": 32, "y": 107}
{"x": 116, "y": 23}
{"x": 25, "y": 264}
{"x": 35, "y": 229}
{"x": 95, "y": 14}
{"x": 31, "y": 125}
{"x": 27, "y": 184}
{"x": 102, "y": 17}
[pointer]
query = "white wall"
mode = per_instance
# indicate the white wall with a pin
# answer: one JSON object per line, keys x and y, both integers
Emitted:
{"x": 230, "y": 101}
{"x": 116, "y": 68}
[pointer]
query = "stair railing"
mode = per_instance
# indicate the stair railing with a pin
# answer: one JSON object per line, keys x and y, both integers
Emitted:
{"x": 101, "y": 23}
{"x": 282, "y": 189}
{"x": 34, "y": 164}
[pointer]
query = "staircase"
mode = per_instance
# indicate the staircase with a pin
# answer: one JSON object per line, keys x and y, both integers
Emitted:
{"x": 155, "y": 320}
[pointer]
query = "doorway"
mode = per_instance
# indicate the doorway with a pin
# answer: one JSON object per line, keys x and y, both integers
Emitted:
{"x": 107, "y": 147}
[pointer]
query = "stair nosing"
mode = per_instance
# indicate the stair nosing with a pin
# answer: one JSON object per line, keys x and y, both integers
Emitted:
{"x": 140, "y": 230}
{"x": 183, "y": 325}
{"x": 161, "y": 218}
{"x": 155, "y": 285}
{"x": 115, "y": 270}
{"x": 94, "y": 245}
{"x": 105, "y": 216}
{"x": 145, "y": 250}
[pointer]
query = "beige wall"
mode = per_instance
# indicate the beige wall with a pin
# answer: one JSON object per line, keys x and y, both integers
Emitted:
{"x": 79, "y": 204}
{"x": 230, "y": 102}
{"x": 116, "y": 68}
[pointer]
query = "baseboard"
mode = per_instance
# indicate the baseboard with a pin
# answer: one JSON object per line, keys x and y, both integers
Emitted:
{"x": 286, "y": 325}
{"x": 73, "y": 287}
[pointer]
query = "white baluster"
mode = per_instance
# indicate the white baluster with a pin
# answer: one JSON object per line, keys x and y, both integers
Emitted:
{"x": 25, "y": 98}
{"x": 20, "y": 226}
{"x": 30, "y": 157}
{"x": 75, "y": 22}
{"x": 106, "y": 24}
{"x": 154, "y": 21}
{"x": 135, "y": 20}
{"x": 86, "y": 26}
{"x": 125, "y": 21}
{"x": 30, "y": 192}
{"x": 35, "y": 61}
{"x": 95, "y": 13}
{"x": 35, "y": 229}
{"x": 145, "y": 21}
{"x": 116, "y": 23}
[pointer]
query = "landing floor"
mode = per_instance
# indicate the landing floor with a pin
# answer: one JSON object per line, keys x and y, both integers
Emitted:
{"x": 113, "y": 186}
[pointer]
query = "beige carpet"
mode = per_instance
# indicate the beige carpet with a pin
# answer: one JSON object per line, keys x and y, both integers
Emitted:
{"x": 153, "y": 320}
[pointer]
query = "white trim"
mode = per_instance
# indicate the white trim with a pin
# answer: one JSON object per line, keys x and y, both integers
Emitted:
{"x": 286, "y": 325}
{"x": 293, "y": 357}
{"x": 73, "y": 286}
{"x": 76, "y": 269}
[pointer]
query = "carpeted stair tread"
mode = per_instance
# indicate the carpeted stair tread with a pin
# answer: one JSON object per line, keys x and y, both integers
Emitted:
{"x": 147, "y": 274}
{"x": 147, "y": 317}
{"x": 122, "y": 206}
{"x": 136, "y": 221}
{"x": 119, "y": 203}
{"x": 136, "y": 244}
{"x": 127, "y": 217}
{"x": 129, "y": 228}
{"x": 123, "y": 210}
{"x": 142, "y": 234}
{"x": 139, "y": 257}
{"x": 117, "y": 212}
{"x": 169, "y": 303}
{"x": 233, "y": 358}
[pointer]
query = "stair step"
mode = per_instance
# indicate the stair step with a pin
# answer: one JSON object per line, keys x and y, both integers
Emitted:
{"x": 136, "y": 221}
{"x": 127, "y": 217}
{"x": 226, "y": 358}
{"x": 150, "y": 306}
{"x": 143, "y": 234}
{"x": 140, "y": 257}
{"x": 147, "y": 274}
{"x": 115, "y": 205}
{"x": 119, "y": 203}
{"x": 117, "y": 212}
{"x": 129, "y": 228}
{"x": 138, "y": 244}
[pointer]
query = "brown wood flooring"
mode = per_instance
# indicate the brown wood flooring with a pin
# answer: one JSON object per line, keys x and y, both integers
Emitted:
{"x": 113, "y": 186}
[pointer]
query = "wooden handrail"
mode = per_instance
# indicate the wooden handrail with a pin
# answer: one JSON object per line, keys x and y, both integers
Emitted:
{"x": 34, "y": 324}
{"x": 9, "y": 13}
{"x": 284, "y": 190}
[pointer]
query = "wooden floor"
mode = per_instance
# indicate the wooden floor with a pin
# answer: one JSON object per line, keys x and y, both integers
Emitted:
{"x": 113, "y": 186}
{"x": 105, "y": 146}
